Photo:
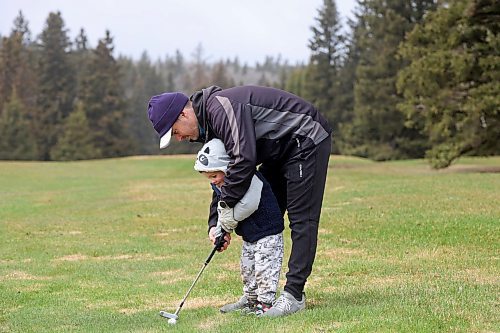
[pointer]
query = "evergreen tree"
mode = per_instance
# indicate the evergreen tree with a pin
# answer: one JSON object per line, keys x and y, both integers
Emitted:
{"x": 378, "y": 130}
{"x": 199, "y": 78}
{"x": 323, "y": 82}
{"x": 452, "y": 85}
{"x": 220, "y": 77}
{"x": 345, "y": 95}
{"x": 56, "y": 84}
{"x": 76, "y": 141}
{"x": 283, "y": 77}
{"x": 17, "y": 140}
{"x": 144, "y": 81}
{"x": 263, "y": 81}
{"x": 81, "y": 56}
{"x": 104, "y": 102}
{"x": 17, "y": 64}
{"x": 295, "y": 82}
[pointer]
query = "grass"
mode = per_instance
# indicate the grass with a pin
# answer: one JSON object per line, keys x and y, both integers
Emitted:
{"x": 102, "y": 246}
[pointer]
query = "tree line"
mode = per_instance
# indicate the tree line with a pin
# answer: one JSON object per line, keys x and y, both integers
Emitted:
{"x": 409, "y": 78}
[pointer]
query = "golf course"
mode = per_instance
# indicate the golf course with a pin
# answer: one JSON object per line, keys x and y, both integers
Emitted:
{"x": 104, "y": 245}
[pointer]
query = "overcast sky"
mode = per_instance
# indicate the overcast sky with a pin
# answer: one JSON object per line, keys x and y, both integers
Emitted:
{"x": 249, "y": 29}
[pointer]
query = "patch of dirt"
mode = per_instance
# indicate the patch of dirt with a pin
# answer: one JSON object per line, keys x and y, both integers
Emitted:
{"x": 29, "y": 289}
{"x": 72, "y": 257}
{"x": 202, "y": 302}
{"x": 211, "y": 323}
{"x": 20, "y": 275}
{"x": 169, "y": 277}
{"x": 435, "y": 253}
{"x": 471, "y": 169}
{"x": 139, "y": 257}
{"x": 341, "y": 252}
{"x": 168, "y": 274}
{"x": 478, "y": 276}
{"x": 130, "y": 311}
{"x": 330, "y": 327}
{"x": 323, "y": 231}
{"x": 384, "y": 281}
{"x": 9, "y": 261}
{"x": 230, "y": 265}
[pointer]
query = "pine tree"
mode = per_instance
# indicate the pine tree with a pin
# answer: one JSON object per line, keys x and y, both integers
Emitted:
{"x": 76, "y": 141}
{"x": 199, "y": 78}
{"x": 17, "y": 140}
{"x": 18, "y": 89}
{"x": 104, "y": 102}
{"x": 143, "y": 82}
{"x": 322, "y": 82}
{"x": 347, "y": 80}
{"x": 295, "y": 82}
{"x": 56, "y": 83}
{"x": 452, "y": 85}
{"x": 378, "y": 130}
{"x": 80, "y": 57}
{"x": 17, "y": 64}
{"x": 220, "y": 77}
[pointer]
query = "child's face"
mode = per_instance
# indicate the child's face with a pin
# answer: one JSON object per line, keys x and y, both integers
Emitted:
{"x": 215, "y": 177}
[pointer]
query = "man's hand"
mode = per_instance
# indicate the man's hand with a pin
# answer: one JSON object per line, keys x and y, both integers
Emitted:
{"x": 214, "y": 233}
{"x": 226, "y": 217}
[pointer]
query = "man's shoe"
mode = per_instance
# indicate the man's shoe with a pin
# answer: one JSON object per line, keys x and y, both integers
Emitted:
{"x": 285, "y": 304}
{"x": 242, "y": 304}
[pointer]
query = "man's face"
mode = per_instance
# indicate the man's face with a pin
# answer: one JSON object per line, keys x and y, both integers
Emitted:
{"x": 215, "y": 177}
{"x": 185, "y": 127}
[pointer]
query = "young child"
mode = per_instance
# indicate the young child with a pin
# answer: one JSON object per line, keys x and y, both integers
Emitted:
{"x": 260, "y": 225}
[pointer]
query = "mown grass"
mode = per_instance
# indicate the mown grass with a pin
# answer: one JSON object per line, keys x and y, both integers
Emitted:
{"x": 102, "y": 246}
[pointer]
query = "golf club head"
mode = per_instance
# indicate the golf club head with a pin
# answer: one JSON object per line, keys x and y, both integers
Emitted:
{"x": 168, "y": 315}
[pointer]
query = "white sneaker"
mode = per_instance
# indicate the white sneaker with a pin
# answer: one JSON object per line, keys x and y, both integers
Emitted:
{"x": 285, "y": 304}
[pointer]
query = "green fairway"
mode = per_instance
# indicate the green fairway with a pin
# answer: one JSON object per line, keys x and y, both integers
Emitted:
{"x": 102, "y": 246}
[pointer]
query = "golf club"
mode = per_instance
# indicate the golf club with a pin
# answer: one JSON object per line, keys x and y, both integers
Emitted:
{"x": 172, "y": 317}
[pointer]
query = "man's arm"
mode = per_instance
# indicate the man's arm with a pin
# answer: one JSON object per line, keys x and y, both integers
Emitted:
{"x": 212, "y": 215}
{"x": 235, "y": 127}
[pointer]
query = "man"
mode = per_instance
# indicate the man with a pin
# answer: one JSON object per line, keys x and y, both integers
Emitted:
{"x": 263, "y": 126}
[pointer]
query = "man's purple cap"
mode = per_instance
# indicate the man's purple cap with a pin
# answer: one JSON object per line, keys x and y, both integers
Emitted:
{"x": 163, "y": 112}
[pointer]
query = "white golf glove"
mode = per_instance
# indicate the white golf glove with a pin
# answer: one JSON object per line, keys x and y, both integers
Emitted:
{"x": 217, "y": 230}
{"x": 226, "y": 217}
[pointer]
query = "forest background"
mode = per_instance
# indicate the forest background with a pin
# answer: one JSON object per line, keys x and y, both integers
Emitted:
{"x": 404, "y": 79}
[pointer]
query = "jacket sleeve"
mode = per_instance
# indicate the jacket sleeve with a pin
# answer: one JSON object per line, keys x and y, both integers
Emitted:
{"x": 213, "y": 215}
{"x": 232, "y": 123}
{"x": 250, "y": 201}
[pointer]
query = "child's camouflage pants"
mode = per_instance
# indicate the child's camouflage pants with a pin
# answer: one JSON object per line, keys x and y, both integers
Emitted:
{"x": 260, "y": 268}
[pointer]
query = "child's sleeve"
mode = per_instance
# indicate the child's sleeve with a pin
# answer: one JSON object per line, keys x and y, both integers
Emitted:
{"x": 249, "y": 203}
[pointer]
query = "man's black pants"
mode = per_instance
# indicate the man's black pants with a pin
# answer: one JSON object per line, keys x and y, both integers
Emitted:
{"x": 299, "y": 183}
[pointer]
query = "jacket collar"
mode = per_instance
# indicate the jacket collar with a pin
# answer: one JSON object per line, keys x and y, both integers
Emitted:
{"x": 199, "y": 100}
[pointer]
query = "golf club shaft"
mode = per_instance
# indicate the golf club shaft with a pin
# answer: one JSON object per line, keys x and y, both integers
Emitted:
{"x": 196, "y": 280}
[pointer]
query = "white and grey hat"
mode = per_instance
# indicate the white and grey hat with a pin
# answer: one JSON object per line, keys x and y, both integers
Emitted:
{"x": 212, "y": 157}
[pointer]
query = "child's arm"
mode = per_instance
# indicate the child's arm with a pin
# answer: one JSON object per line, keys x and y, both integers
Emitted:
{"x": 249, "y": 203}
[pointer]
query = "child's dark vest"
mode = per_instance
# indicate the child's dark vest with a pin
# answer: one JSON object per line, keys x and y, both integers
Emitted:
{"x": 265, "y": 221}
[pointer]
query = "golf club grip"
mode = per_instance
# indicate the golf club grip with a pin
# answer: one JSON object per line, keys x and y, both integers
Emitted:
{"x": 219, "y": 241}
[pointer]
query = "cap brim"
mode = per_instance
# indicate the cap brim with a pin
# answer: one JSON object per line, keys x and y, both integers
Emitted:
{"x": 165, "y": 140}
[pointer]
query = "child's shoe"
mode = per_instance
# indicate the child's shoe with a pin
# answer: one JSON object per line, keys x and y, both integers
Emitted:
{"x": 242, "y": 304}
{"x": 262, "y": 308}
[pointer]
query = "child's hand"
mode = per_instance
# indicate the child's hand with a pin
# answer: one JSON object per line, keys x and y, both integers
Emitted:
{"x": 212, "y": 235}
{"x": 226, "y": 217}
